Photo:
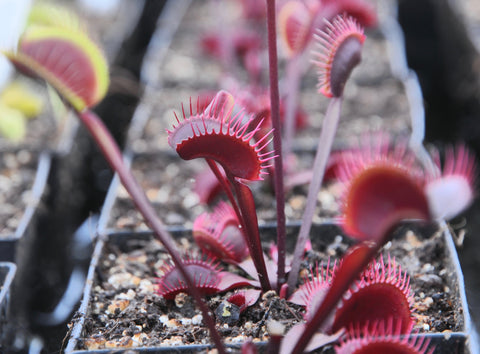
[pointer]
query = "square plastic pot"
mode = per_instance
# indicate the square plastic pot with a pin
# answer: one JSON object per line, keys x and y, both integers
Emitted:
{"x": 456, "y": 340}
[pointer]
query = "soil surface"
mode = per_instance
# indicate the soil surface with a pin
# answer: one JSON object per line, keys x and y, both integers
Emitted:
{"x": 126, "y": 312}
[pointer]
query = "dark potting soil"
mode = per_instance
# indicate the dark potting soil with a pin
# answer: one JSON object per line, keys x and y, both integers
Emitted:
{"x": 126, "y": 312}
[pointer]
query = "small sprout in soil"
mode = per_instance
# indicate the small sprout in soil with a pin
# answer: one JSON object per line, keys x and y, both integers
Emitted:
{"x": 244, "y": 298}
{"x": 229, "y": 310}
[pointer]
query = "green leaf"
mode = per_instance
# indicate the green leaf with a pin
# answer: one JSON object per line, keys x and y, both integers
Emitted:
{"x": 12, "y": 123}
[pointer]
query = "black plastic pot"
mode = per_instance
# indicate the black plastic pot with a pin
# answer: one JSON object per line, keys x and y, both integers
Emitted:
{"x": 457, "y": 341}
{"x": 7, "y": 274}
{"x": 443, "y": 46}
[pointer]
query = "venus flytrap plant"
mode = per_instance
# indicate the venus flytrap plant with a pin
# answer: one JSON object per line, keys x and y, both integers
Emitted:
{"x": 12, "y": 124}
{"x": 219, "y": 234}
{"x": 256, "y": 103}
{"x": 312, "y": 291}
{"x": 341, "y": 45}
{"x": 22, "y": 98}
{"x": 220, "y": 237}
{"x": 381, "y": 294}
{"x": 75, "y": 67}
{"x": 224, "y": 139}
{"x": 351, "y": 266}
{"x": 383, "y": 188}
{"x": 195, "y": 137}
{"x": 382, "y": 184}
{"x": 298, "y": 21}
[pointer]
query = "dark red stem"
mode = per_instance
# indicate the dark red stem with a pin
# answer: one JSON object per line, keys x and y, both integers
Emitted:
{"x": 112, "y": 153}
{"x": 247, "y": 216}
{"x": 250, "y": 224}
{"x": 277, "y": 138}
{"x": 224, "y": 182}
{"x": 274, "y": 344}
